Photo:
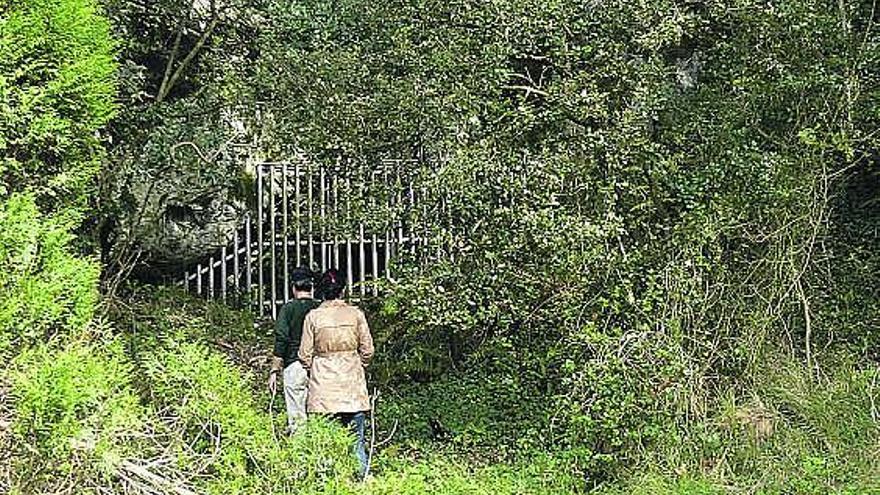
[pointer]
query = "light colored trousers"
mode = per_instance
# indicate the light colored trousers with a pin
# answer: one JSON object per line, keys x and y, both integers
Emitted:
{"x": 296, "y": 391}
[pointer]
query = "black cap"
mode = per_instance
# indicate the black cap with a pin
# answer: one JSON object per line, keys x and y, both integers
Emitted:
{"x": 302, "y": 274}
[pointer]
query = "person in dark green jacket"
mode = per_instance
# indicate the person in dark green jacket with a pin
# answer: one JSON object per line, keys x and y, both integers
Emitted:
{"x": 288, "y": 334}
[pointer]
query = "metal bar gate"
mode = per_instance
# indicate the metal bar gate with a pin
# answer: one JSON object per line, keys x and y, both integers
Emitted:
{"x": 356, "y": 218}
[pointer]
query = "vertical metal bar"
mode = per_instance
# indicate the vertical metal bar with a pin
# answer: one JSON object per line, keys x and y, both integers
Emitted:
{"x": 211, "y": 278}
{"x": 274, "y": 244}
{"x": 447, "y": 220}
{"x": 374, "y": 244}
{"x": 323, "y": 216}
{"x": 389, "y": 226}
{"x": 409, "y": 214}
{"x": 422, "y": 177}
{"x": 362, "y": 259}
{"x": 199, "y": 279}
{"x": 223, "y": 273}
{"x": 311, "y": 195}
{"x": 349, "y": 270}
{"x": 248, "y": 236}
{"x": 524, "y": 181}
{"x": 423, "y": 198}
{"x": 248, "y": 265}
{"x": 236, "y": 269}
{"x": 296, "y": 203}
{"x": 437, "y": 202}
{"x": 334, "y": 178}
{"x": 362, "y": 273}
{"x": 284, "y": 225}
{"x": 260, "y": 293}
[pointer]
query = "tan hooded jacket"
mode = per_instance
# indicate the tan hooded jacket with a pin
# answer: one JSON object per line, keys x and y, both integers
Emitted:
{"x": 336, "y": 347}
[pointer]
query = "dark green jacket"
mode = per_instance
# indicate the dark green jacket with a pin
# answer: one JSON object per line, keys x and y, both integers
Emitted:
{"x": 289, "y": 328}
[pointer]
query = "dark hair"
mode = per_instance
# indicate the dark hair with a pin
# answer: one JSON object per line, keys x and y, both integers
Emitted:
{"x": 303, "y": 278}
{"x": 331, "y": 285}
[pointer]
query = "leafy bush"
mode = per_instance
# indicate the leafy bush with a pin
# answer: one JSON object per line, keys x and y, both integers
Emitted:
{"x": 788, "y": 432}
{"x": 220, "y": 429}
{"x": 57, "y": 85}
{"x": 44, "y": 287}
{"x": 76, "y": 415}
{"x": 636, "y": 208}
{"x": 541, "y": 475}
{"x": 657, "y": 484}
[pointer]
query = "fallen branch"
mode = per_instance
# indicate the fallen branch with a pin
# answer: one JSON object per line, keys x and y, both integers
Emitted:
{"x": 153, "y": 479}
{"x": 390, "y": 435}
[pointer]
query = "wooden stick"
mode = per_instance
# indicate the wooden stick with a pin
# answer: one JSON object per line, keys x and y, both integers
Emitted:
{"x": 154, "y": 479}
{"x": 375, "y": 248}
{"x": 373, "y": 401}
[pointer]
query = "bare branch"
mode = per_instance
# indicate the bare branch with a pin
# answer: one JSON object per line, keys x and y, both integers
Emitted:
{"x": 163, "y": 88}
{"x": 153, "y": 479}
{"x": 528, "y": 90}
{"x": 164, "y": 91}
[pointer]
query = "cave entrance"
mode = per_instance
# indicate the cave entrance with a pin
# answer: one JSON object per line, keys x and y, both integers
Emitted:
{"x": 363, "y": 219}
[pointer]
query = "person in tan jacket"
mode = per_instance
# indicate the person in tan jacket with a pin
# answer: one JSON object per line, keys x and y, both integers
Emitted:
{"x": 336, "y": 347}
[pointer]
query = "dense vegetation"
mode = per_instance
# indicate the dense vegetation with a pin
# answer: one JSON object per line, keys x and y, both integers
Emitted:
{"x": 665, "y": 221}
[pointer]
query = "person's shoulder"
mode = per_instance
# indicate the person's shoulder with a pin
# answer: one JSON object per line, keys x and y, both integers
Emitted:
{"x": 305, "y": 303}
{"x": 286, "y": 308}
{"x": 356, "y": 309}
{"x": 317, "y": 306}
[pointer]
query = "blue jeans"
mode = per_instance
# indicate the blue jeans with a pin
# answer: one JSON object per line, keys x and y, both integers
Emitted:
{"x": 356, "y": 422}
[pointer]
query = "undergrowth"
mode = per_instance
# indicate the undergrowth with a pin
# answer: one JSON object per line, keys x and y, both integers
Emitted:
{"x": 180, "y": 392}
{"x": 786, "y": 432}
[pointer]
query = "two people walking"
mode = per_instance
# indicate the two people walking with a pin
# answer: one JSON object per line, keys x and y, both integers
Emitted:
{"x": 322, "y": 348}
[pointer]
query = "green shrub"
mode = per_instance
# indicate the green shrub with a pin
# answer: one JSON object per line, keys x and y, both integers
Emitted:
{"x": 215, "y": 413}
{"x": 76, "y": 414}
{"x": 827, "y": 431}
{"x": 154, "y": 314}
{"x": 789, "y": 432}
{"x": 57, "y": 86}
{"x": 658, "y": 484}
{"x": 541, "y": 475}
{"x": 44, "y": 287}
{"x": 636, "y": 207}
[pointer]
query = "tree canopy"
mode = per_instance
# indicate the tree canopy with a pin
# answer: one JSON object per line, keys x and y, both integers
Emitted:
{"x": 659, "y": 226}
